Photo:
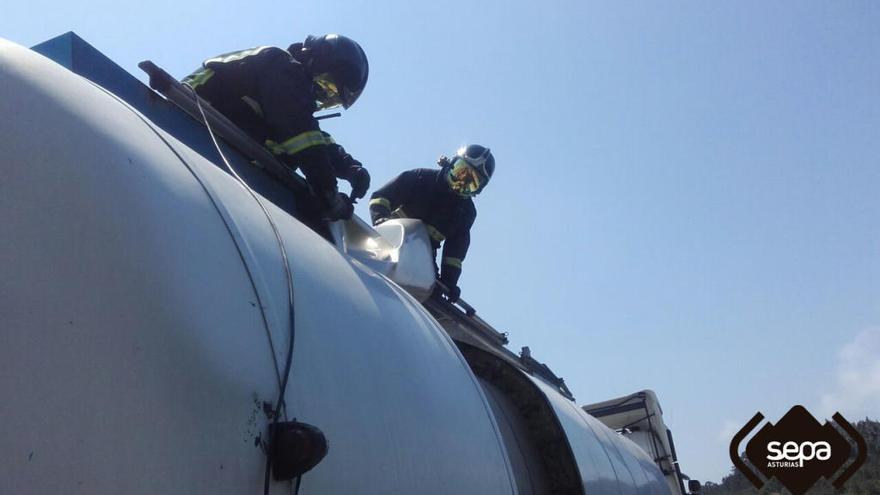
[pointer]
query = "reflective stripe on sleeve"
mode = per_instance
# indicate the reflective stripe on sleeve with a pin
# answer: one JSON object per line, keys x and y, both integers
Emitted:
{"x": 233, "y": 56}
{"x": 456, "y": 262}
{"x": 198, "y": 78}
{"x": 299, "y": 142}
{"x": 380, "y": 202}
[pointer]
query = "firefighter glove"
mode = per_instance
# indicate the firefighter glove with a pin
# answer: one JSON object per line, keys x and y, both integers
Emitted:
{"x": 360, "y": 183}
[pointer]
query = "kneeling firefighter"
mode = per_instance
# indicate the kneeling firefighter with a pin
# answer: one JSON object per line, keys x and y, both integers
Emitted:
{"x": 272, "y": 94}
{"x": 443, "y": 200}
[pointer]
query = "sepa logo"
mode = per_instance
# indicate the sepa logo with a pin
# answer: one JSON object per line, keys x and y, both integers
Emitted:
{"x": 798, "y": 450}
{"x": 792, "y": 451}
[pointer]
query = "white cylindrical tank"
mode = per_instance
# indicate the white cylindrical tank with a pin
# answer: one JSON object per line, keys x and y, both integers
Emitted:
{"x": 144, "y": 320}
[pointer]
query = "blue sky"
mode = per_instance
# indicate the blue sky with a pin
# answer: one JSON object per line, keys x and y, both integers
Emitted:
{"x": 686, "y": 194}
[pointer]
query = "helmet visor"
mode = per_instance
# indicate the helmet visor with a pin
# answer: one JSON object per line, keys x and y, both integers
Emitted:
{"x": 464, "y": 179}
{"x": 327, "y": 93}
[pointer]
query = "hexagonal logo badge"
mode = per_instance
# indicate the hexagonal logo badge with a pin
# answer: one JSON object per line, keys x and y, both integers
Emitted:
{"x": 798, "y": 451}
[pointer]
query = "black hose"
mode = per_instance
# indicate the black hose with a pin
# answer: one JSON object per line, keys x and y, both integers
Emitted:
{"x": 288, "y": 364}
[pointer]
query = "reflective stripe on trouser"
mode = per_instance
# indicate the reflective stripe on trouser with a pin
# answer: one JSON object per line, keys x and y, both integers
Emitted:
{"x": 448, "y": 260}
{"x": 198, "y": 78}
{"x": 299, "y": 142}
{"x": 380, "y": 202}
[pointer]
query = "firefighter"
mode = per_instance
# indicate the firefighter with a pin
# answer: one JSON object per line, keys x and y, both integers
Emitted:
{"x": 443, "y": 201}
{"x": 272, "y": 94}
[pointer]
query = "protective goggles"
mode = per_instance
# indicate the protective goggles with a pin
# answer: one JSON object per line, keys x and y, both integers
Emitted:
{"x": 327, "y": 93}
{"x": 464, "y": 179}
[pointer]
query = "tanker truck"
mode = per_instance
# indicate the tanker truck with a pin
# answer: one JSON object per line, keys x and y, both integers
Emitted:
{"x": 168, "y": 324}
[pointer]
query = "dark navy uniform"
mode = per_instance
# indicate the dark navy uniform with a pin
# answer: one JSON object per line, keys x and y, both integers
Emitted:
{"x": 271, "y": 96}
{"x": 423, "y": 194}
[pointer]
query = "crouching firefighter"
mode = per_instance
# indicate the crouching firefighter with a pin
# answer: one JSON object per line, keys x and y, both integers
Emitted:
{"x": 272, "y": 94}
{"x": 443, "y": 201}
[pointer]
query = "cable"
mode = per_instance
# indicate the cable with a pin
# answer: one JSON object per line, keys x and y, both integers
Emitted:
{"x": 223, "y": 217}
{"x": 279, "y": 405}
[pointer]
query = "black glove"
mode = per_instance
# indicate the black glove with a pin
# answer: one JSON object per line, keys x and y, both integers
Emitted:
{"x": 443, "y": 161}
{"x": 360, "y": 183}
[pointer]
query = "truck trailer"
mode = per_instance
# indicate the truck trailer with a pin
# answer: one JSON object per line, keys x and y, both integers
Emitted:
{"x": 165, "y": 314}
